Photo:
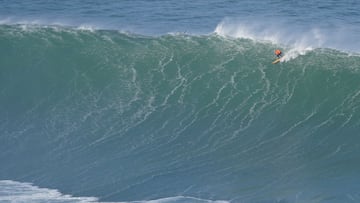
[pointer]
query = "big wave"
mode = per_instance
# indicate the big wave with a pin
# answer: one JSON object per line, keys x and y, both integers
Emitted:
{"x": 126, "y": 117}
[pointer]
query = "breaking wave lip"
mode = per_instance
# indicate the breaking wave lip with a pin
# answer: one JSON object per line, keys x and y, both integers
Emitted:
{"x": 294, "y": 40}
{"x": 258, "y": 32}
{"x": 28, "y": 24}
{"x": 17, "y": 192}
{"x": 297, "y": 38}
{"x": 293, "y": 45}
{"x": 58, "y": 23}
{"x": 292, "y": 48}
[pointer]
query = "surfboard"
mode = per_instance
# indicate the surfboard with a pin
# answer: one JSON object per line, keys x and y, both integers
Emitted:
{"x": 276, "y": 61}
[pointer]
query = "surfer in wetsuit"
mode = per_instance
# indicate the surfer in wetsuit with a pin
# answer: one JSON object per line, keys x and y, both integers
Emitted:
{"x": 278, "y": 53}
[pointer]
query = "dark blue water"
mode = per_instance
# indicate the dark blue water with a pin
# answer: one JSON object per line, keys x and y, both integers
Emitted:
{"x": 177, "y": 101}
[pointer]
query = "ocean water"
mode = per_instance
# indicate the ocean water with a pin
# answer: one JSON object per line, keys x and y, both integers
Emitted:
{"x": 177, "y": 101}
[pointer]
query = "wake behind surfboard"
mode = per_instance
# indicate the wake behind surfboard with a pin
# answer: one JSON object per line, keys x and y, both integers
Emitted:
{"x": 276, "y": 61}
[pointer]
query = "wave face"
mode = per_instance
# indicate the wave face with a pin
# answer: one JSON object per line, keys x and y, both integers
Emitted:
{"x": 124, "y": 117}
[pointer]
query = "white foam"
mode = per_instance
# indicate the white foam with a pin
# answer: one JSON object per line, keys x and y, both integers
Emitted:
{"x": 48, "y": 23}
{"x": 20, "y": 192}
{"x": 87, "y": 27}
{"x": 251, "y": 31}
{"x": 294, "y": 52}
{"x": 296, "y": 40}
{"x": 12, "y": 191}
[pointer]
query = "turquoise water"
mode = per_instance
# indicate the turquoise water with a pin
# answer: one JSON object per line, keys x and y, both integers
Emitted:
{"x": 94, "y": 113}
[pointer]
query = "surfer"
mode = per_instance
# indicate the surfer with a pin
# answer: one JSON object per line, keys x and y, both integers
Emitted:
{"x": 278, "y": 53}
